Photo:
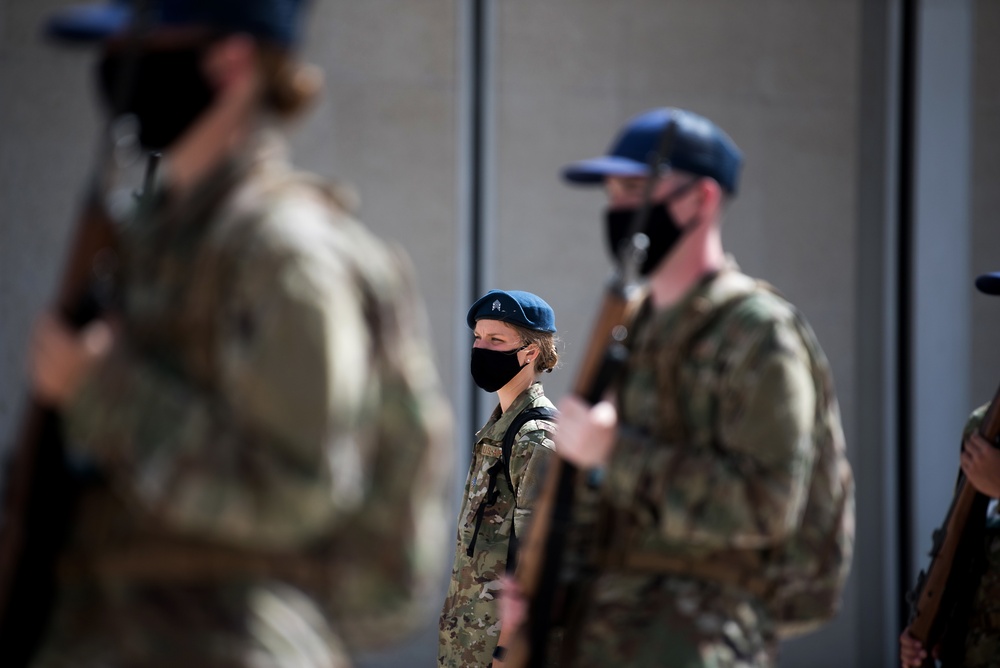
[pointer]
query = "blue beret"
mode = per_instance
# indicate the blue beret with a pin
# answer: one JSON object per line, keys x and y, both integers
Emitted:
{"x": 700, "y": 148}
{"x": 513, "y": 306}
{"x": 272, "y": 20}
{"x": 989, "y": 283}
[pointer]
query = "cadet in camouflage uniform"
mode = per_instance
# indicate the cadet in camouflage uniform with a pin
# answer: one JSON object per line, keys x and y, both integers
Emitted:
{"x": 514, "y": 342}
{"x": 981, "y": 465}
{"x": 975, "y": 644}
{"x": 716, "y": 450}
{"x": 263, "y": 413}
{"x": 978, "y": 641}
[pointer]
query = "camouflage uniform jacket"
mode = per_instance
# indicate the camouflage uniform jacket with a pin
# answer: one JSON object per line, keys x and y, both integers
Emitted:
{"x": 980, "y": 646}
{"x": 469, "y": 625}
{"x": 712, "y": 465}
{"x": 228, "y": 428}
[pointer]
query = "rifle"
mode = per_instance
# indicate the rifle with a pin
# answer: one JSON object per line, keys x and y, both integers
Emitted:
{"x": 41, "y": 485}
{"x": 541, "y": 554}
{"x": 935, "y": 597}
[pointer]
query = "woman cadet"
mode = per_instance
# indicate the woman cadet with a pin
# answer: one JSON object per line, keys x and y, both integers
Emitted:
{"x": 514, "y": 343}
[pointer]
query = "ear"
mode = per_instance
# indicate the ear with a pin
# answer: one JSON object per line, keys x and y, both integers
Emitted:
{"x": 711, "y": 194}
{"x": 704, "y": 201}
{"x": 231, "y": 61}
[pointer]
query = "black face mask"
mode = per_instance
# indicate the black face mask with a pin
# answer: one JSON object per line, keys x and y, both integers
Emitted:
{"x": 492, "y": 369}
{"x": 662, "y": 230}
{"x": 167, "y": 91}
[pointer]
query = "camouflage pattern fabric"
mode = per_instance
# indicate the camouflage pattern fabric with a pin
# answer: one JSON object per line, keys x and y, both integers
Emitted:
{"x": 713, "y": 472}
{"x": 469, "y": 624}
{"x": 249, "y": 509}
{"x": 982, "y": 639}
{"x": 982, "y": 631}
{"x": 674, "y": 622}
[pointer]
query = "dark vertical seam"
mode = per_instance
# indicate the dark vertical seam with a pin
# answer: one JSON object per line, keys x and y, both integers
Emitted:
{"x": 478, "y": 29}
{"x": 909, "y": 25}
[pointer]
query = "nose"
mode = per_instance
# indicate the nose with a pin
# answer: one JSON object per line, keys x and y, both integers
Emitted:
{"x": 624, "y": 200}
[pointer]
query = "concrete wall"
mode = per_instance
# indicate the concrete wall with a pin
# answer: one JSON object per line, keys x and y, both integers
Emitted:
{"x": 48, "y": 130}
{"x": 940, "y": 281}
{"x": 985, "y": 199}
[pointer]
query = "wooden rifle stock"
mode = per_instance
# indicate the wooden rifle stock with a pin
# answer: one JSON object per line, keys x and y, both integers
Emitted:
{"x": 39, "y": 489}
{"x": 927, "y": 617}
{"x": 542, "y": 550}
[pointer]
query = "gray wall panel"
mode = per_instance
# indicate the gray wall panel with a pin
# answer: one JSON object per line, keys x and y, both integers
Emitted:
{"x": 941, "y": 287}
{"x": 387, "y": 125}
{"x": 985, "y": 199}
{"x": 47, "y": 133}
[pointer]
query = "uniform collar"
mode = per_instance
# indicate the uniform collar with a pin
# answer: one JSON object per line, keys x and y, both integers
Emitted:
{"x": 496, "y": 426}
{"x": 263, "y": 152}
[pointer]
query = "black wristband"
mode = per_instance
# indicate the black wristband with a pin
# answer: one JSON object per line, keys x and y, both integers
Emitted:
{"x": 500, "y": 652}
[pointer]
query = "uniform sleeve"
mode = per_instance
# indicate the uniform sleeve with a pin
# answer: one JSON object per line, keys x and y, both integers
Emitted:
{"x": 263, "y": 454}
{"x": 530, "y": 456}
{"x": 975, "y": 419}
{"x": 971, "y": 425}
{"x": 748, "y": 489}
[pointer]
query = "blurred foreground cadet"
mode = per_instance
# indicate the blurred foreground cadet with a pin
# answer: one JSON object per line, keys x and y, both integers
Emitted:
{"x": 514, "y": 343}
{"x": 727, "y": 499}
{"x": 263, "y": 412}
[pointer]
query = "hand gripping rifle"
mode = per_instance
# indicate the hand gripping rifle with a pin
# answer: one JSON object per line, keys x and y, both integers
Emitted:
{"x": 939, "y": 590}
{"x": 541, "y": 554}
{"x": 40, "y": 484}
